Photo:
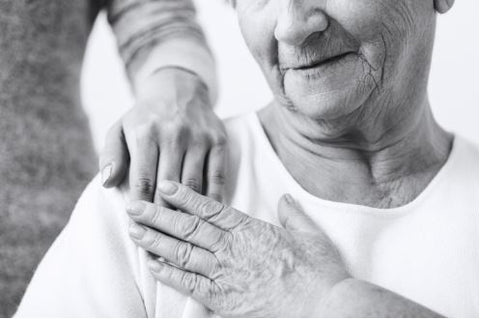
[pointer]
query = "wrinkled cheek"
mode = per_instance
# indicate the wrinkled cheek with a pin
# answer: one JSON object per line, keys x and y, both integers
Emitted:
{"x": 368, "y": 22}
{"x": 374, "y": 57}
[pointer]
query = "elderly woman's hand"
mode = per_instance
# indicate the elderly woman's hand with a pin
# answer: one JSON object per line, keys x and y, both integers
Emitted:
{"x": 232, "y": 263}
{"x": 171, "y": 133}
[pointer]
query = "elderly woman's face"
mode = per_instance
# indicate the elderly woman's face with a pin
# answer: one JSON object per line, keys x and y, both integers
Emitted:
{"x": 326, "y": 58}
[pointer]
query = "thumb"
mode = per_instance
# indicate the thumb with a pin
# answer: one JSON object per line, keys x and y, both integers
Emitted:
{"x": 292, "y": 217}
{"x": 114, "y": 158}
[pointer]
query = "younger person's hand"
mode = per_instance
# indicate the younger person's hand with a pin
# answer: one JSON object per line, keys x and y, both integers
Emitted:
{"x": 171, "y": 133}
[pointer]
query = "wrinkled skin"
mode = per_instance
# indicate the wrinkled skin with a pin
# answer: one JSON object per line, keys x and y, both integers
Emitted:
{"x": 171, "y": 133}
{"x": 349, "y": 80}
{"x": 362, "y": 116}
{"x": 234, "y": 264}
{"x": 377, "y": 44}
{"x": 281, "y": 266}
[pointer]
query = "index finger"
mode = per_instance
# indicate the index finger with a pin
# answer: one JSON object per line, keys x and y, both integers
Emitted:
{"x": 186, "y": 227}
{"x": 208, "y": 209}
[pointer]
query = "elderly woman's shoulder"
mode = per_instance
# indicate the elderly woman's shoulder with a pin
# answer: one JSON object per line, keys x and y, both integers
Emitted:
{"x": 98, "y": 205}
{"x": 99, "y": 220}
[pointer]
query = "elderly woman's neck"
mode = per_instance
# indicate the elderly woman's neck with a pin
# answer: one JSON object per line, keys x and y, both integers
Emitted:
{"x": 383, "y": 163}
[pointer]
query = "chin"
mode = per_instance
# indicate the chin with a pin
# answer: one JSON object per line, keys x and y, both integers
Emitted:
{"x": 330, "y": 104}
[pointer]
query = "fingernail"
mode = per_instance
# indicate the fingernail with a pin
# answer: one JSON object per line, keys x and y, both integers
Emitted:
{"x": 137, "y": 231}
{"x": 106, "y": 173}
{"x": 167, "y": 188}
{"x": 136, "y": 208}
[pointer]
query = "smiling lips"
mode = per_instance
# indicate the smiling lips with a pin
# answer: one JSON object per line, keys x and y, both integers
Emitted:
{"x": 326, "y": 59}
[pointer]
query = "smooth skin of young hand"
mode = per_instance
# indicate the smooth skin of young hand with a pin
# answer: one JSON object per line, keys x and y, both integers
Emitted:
{"x": 240, "y": 266}
{"x": 171, "y": 133}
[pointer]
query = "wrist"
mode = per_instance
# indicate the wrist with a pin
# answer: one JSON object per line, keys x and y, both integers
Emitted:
{"x": 183, "y": 52}
{"x": 172, "y": 85}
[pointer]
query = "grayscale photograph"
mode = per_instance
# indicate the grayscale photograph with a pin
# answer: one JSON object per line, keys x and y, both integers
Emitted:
{"x": 239, "y": 158}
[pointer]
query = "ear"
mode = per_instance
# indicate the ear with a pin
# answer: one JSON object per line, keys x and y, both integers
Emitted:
{"x": 442, "y": 6}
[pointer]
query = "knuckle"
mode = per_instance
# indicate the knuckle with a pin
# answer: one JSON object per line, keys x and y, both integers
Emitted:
{"x": 210, "y": 209}
{"x": 222, "y": 243}
{"x": 202, "y": 138}
{"x": 217, "y": 177}
{"x": 144, "y": 186}
{"x": 206, "y": 289}
{"x": 190, "y": 227}
{"x": 157, "y": 212}
{"x": 241, "y": 222}
{"x": 220, "y": 141}
{"x": 177, "y": 134}
{"x": 177, "y": 223}
{"x": 153, "y": 120}
{"x": 193, "y": 184}
{"x": 183, "y": 252}
{"x": 189, "y": 281}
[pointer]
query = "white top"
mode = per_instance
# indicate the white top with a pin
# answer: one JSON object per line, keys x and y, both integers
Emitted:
{"x": 426, "y": 250}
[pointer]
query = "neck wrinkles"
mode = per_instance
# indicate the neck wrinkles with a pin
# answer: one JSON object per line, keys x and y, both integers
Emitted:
{"x": 381, "y": 149}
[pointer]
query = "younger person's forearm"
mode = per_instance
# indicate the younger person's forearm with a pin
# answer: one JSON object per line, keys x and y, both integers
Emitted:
{"x": 156, "y": 34}
{"x": 178, "y": 53}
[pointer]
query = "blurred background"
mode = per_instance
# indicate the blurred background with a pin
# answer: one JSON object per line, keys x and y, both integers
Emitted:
{"x": 453, "y": 83}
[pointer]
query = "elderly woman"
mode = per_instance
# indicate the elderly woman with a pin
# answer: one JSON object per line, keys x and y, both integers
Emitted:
{"x": 385, "y": 219}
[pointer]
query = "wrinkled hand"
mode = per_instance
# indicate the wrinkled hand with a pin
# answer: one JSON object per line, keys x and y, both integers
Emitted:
{"x": 172, "y": 133}
{"x": 232, "y": 263}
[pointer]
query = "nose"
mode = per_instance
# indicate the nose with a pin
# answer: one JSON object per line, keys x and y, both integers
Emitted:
{"x": 298, "y": 19}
